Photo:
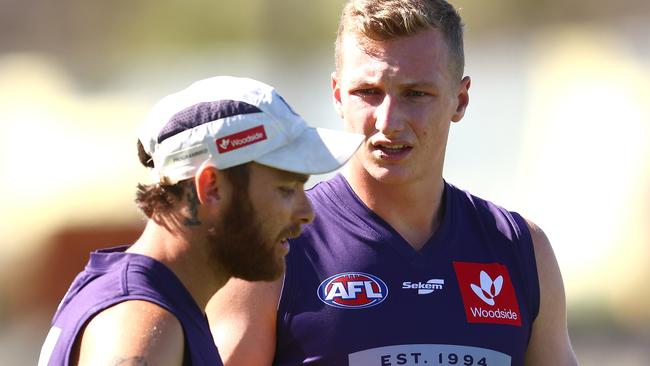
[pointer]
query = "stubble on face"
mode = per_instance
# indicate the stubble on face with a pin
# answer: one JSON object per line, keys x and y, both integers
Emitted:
{"x": 239, "y": 245}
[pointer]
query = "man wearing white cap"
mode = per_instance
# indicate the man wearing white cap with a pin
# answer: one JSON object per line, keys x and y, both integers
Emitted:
{"x": 230, "y": 159}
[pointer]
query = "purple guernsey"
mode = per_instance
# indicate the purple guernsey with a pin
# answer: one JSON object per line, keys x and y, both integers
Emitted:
{"x": 356, "y": 293}
{"x": 112, "y": 276}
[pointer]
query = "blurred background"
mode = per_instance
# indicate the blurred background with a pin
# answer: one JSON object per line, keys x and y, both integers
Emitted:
{"x": 558, "y": 129}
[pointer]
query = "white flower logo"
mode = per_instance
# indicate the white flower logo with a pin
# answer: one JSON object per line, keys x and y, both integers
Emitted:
{"x": 489, "y": 289}
{"x": 224, "y": 143}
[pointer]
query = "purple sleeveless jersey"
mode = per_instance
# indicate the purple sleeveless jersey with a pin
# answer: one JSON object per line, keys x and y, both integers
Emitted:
{"x": 356, "y": 293}
{"x": 112, "y": 276}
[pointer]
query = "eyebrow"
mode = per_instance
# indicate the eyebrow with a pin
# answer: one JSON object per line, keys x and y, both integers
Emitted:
{"x": 302, "y": 178}
{"x": 365, "y": 82}
{"x": 291, "y": 176}
{"x": 416, "y": 85}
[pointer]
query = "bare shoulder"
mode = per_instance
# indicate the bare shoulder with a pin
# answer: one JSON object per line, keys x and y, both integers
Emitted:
{"x": 550, "y": 278}
{"x": 543, "y": 249}
{"x": 549, "y": 343}
{"x": 133, "y": 332}
{"x": 242, "y": 318}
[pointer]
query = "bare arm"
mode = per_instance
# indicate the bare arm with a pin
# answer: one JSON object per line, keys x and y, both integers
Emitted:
{"x": 549, "y": 343}
{"x": 242, "y": 318}
{"x": 131, "y": 333}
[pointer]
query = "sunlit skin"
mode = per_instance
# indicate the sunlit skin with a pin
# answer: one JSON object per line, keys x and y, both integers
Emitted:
{"x": 402, "y": 96}
{"x": 280, "y": 206}
{"x": 276, "y": 207}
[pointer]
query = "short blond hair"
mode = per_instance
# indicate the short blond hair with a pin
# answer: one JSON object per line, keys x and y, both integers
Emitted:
{"x": 382, "y": 20}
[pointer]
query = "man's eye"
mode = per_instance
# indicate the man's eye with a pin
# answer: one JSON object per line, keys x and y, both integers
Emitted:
{"x": 416, "y": 93}
{"x": 287, "y": 191}
{"x": 366, "y": 91}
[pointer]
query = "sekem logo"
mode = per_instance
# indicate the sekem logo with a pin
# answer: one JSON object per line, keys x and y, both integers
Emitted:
{"x": 425, "y": 288}
{"x": 494, "y": 289}
{"x": 352, "y": 290}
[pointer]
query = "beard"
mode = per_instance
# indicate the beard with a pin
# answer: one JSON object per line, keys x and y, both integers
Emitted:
{"x": 239, "y": 245}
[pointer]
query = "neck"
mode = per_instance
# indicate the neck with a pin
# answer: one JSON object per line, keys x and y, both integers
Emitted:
{"x": 189, "y": 259}
{"x": 413, "y": 209}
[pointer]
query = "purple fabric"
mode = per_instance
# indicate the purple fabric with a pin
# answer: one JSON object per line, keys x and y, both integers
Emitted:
{"x": 112, "y": 276}
{"x": 202, "y": 113}
{"x": 347, "y": 237}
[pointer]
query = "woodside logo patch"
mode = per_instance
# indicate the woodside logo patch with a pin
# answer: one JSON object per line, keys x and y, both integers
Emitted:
{"x": 241, "y": 139}
{"x": 487, "y": 292}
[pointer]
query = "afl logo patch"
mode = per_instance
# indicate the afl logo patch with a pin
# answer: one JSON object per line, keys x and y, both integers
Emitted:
{"x": 352, "y": 290}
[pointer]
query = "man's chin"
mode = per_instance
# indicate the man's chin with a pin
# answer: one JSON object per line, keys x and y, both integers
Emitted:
{"x": 264, "y": 277}
{"x": 390, "y": 174}
{"x": 268, "y": 272}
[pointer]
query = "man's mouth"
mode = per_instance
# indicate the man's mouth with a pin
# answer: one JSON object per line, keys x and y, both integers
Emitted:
{"x": 284, "y": 243}
{"x": 291, "y": 233}
{"x": 392, "y": 151}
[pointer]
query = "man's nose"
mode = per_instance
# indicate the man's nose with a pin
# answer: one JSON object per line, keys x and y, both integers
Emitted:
{"x": 387, "y": 117}
{"x": 304, "y": 212}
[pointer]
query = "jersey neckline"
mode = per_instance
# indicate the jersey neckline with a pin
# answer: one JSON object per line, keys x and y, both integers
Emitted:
{"x": 341, "y": 190}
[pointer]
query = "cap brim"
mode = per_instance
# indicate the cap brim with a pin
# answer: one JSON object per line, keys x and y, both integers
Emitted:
{"x": 315, "y": 151}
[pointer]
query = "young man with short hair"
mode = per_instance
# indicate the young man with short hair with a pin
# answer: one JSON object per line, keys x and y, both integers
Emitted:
{"x": 400, "y": 267}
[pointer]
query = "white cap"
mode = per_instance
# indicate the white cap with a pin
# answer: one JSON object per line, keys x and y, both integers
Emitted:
{"x": 229, "y": 121}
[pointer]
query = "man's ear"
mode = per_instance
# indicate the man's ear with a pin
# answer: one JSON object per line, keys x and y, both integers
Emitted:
{"x": 462, "y": 99}
{"x": 207, "y": 183}
{"x": 336, "y": 94}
